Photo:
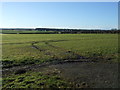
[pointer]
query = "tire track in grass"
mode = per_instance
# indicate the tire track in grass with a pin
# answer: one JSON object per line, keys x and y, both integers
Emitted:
{"x": 33, "y": 44}
{"x": 15, "y": 43}
{"x": 36, "y": 47}
{"x": 79, "y": 59}
{"x": 47, "y": 43}
{"x": 66, "y": 51}
{"x": 69, "y": 60}
{"x": 50, "y": 45}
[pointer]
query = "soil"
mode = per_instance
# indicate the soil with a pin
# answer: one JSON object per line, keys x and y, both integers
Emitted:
{"x": 95, "y": 75}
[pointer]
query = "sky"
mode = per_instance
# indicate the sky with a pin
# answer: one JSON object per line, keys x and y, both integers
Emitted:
{"x": 88, "y": 15}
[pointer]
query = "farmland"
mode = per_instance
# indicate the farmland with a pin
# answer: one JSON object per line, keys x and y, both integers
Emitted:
{"x": 21, "y": 50}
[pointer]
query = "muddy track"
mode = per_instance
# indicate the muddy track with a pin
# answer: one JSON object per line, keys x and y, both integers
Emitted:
{"x": 6, "y": 71}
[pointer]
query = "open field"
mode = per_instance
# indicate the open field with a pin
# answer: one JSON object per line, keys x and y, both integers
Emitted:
{"x": 25, "y": 51}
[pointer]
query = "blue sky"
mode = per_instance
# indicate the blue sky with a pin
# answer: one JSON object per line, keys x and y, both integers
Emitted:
{"x": 102, "y": 15}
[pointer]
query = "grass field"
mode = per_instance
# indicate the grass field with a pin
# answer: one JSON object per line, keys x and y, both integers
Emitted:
{"x": 29, "y": 49}
{"x": 19, "y": 49}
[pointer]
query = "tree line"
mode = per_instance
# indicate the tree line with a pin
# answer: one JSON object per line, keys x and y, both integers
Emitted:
{"x": 61, "y": 31}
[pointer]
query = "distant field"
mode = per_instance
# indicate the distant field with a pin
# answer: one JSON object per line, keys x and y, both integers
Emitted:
{"x": 25, "y": 32}
{"x": 21, "y": 49}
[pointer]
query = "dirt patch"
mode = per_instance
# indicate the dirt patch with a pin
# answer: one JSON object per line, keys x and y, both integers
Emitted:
{"x": 94, "y": 75}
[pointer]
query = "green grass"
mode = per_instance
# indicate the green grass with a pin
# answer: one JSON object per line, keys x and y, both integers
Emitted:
{"x": 34, "y": 80}
{"x": 105, "y": 46}
{"x": 18, "y": 50}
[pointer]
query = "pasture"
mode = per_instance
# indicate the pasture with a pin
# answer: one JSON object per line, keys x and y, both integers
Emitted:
{"x": 20, "y": 50}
